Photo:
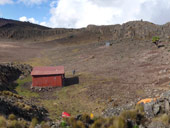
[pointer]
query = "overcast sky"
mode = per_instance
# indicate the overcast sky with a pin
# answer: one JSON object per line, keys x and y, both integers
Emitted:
{"x": 80, "y": 13}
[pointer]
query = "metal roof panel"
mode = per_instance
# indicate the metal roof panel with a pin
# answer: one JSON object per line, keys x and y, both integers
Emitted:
{"x": 47, "y": 70}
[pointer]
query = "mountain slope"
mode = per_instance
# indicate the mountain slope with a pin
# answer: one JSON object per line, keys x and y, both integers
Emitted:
{"x": 140, "y": 30}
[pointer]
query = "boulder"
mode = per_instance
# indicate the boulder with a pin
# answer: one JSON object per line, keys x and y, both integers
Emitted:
{"x": 166, "y": 106}
{"x": 156, "y": 109}
{"x": 148, "y": 109}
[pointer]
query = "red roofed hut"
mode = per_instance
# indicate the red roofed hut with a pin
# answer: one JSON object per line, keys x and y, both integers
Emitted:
{"x": 47, "y": 76}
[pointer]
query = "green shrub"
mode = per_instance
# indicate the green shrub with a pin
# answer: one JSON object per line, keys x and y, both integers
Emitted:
{"x": 155, "y": 39}
{"x": 135, "y": 126}
{"x": 63, "y": 124}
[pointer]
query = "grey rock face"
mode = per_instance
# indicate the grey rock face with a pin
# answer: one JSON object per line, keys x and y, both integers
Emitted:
{"x": 148, "y": 108}
{"x": 117, "y": 110}
{"x": 166, "y": 106}
{"x": 156, "y": 109}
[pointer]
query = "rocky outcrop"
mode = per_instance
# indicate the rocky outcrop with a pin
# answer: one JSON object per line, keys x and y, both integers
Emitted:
{"x": 156, "y": 112}
{"x": 115, "y": 111}
{"x": 10, "y": 72}
{"x": 13, "y": 103}
{"x": 140, "y": 30}
{"x": 160, "y": 106}
{"x": 7, "y": 76}
{"x": 16, "y": 30}
{"x": 136, "y": 30}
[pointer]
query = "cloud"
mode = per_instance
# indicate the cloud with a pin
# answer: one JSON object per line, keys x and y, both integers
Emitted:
{"x": 31, "y": 2}
{"x": 80, "y": 13}
{"x": 156, "y": 11}
{"x": 2, "y": 2}
{"x": 32, "y": 20}
{"x": 43, "y": 23}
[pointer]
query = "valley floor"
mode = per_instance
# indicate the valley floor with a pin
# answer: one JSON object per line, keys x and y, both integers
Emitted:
{"x": 119, "y": 74}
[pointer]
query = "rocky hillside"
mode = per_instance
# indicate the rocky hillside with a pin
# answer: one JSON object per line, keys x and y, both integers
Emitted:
{"x": 140, "y": 30}
{"x": 8, "y": 23}
{"x": 16, "y": 30}
{"x": 10, "y": 102}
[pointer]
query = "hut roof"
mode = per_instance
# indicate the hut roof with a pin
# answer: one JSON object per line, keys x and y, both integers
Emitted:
{"x": 47, "y": 70}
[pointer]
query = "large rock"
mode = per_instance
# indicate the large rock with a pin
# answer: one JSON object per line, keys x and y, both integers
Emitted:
{"x": 167, "y": 106}
{"x": 148, "y": 109}
{"x": 156, "y": 109}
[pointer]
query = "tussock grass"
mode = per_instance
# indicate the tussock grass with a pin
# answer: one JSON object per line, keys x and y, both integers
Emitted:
{"x": 10, "y": 94}
{"x": 165, "y": 119}
{"x": 3, "y": 123}
{"x": 12, "y": 117}
{"x": 34, "y": 122}
{"x": 15, "y": 124}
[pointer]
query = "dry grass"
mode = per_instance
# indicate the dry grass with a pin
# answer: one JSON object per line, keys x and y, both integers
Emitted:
{"x": 165, "y": 119}
{"x": 39, "y": 61}
{"x": 72, "y": 99}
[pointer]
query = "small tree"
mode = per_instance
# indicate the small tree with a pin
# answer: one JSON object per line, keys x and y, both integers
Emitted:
{"x": 155, "y": 40}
